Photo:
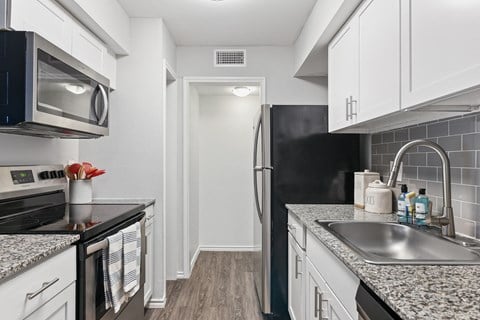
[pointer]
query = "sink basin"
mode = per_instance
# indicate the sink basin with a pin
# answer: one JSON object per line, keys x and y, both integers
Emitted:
{"x": 391, "y": 243}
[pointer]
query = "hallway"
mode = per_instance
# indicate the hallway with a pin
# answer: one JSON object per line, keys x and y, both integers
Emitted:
{"x": 220, "y": 288}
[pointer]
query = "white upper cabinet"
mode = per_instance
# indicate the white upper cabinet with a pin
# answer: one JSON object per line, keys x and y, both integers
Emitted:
{"x": 87, "y": 49}
{"x": 364, "y": 65}
{"x": 379, "y": 58}
{"x": 440, "y": 49}
{"x": 44, "y": 17}
{"x": 402, "y": 55}
{"x": 343, "y": 77}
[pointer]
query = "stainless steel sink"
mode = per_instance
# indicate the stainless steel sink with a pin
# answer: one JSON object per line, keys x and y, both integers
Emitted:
{"x": 391, "y": 243}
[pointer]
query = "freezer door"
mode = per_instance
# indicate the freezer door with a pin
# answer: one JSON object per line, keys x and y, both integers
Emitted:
{"x": 262, "y": 171}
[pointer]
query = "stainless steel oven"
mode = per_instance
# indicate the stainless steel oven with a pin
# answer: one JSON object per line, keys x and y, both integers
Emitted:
{"x": 44, "y": 91}
{"x": 90, "y": 277}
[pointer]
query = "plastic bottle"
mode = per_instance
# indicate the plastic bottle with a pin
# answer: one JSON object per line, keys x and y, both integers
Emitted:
{"x": 410, "y": 206}
{"x": 401, "y": 205}
{"x": 421, "y": 208}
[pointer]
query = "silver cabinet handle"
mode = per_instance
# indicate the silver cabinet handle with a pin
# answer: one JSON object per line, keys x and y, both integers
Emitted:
{"x": 297, "y": 260}
{"x": 44, "y": 287}
{"x": 318, "y": 311}
{"x": 347, "y": 116}
{"x": 351, "y": 107}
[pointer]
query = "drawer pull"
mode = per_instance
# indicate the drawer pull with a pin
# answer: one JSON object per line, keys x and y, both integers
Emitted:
{"x": 44, "y": 287}
{"x": 318, "y": 314}
{"x": 297, "y": 260}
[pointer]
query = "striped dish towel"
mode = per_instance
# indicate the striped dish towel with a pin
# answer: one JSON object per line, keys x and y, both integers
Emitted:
{"x": 112, "y": 272}
{"x": 131, "y": 258}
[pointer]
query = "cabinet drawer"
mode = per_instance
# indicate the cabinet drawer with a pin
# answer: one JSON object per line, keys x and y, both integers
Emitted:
{"x": 13, "y": 293}
{"x": 297, "y": 230}
{"x": 339, "y": 278}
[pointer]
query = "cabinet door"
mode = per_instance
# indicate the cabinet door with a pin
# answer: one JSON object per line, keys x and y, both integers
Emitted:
{"x": 379, "y": 58}
{"x": 148, "y": 263}
{"x": 343, "y": 76}
{"x": 296, "y": 268}
{"x": 321, "y": 303}
{"x": 61, "y": 307}
{"x": 44, "y": 17}
{"x": 440, "y": 49}
{"x": 88, "y": 49}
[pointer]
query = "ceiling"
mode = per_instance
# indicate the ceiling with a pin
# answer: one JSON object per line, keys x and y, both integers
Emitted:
{"x": 224, "y": 90}
{"x": 227, "y": 22}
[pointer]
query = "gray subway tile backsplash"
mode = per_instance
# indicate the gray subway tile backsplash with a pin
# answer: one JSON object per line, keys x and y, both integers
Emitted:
{"x": 438, "y": 129}
{"x": 460, "y": 137}
{"x": 462, "y": 125}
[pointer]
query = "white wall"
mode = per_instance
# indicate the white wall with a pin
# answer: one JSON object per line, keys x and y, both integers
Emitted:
{"x": 194, "y": 218}
{"x": 32, "y": 150}
{"x": 311, "y": 46}
{"x": 225, "y": 159}
{"x": 274, "y": 63}
{"x": 133, "y": 152}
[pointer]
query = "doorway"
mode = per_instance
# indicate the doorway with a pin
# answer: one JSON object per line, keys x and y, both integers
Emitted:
{"x": 218, "y": 188}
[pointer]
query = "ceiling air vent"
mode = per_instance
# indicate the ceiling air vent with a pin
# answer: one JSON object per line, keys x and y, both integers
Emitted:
{"x": 230, "y": 57}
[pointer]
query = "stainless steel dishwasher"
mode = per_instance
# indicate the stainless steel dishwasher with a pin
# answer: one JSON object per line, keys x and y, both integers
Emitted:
{"x": 370, "y": 307}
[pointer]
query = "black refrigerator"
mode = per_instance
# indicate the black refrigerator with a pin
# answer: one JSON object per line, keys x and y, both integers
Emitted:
{"x": 295, "y": 160}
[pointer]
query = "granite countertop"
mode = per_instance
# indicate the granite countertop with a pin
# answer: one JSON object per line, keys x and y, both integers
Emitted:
{"x": 19, "y": 252}
{"x": 412, "y": 291}
{"x": 146, "y": 202}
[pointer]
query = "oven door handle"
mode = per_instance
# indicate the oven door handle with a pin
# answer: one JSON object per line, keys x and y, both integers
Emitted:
{"x": 97, "y": 246}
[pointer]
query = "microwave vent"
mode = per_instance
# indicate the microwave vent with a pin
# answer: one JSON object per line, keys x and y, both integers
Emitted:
{"x": 230, "y": 58}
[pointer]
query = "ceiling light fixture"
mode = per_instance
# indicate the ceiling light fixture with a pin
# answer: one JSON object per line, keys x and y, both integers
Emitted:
{"x": 75, "y": 88}
{"x": 241, "y": 91}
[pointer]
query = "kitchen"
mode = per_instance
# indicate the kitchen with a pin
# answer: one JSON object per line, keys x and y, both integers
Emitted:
{"x": 389, "y": 86}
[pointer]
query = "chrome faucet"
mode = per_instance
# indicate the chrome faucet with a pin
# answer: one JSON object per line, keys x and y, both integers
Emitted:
{"x": 446, "y": 221}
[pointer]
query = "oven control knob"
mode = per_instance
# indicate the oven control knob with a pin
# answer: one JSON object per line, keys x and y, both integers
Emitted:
{"x": 53, "y": 174}
{"x": 43, "y": 175}
{"x": 60, "y": 174}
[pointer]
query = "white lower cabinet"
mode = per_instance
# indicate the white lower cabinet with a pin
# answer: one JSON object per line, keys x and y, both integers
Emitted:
{"x": 61, "y": 307}
{"x": 320, "y": 286}
{"x": 46, "y": 291}
{"x": 320, "y": 302}
{"x": 296, "y": 280}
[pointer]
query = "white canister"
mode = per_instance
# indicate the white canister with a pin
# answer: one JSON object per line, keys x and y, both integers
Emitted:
{"x": 80, "y": 191}
{"x": 378, "y": 198}
{"x": 362, "y": 179}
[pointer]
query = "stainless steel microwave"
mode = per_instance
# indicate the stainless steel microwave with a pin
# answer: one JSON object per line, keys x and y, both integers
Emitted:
{"x": 46, "y": 92}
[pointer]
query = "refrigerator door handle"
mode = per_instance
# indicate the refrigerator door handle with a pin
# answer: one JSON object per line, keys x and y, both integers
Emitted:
{"x": 257, "y": 168}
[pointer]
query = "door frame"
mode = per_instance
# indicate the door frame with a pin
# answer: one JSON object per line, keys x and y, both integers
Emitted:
{"x": 187, "y": 83}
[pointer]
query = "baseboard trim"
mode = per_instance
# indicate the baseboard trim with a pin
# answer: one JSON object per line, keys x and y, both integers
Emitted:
{"x": 226, "y": 248}
{"x": 157, "y": 303}
{"x": 194, "y": 258}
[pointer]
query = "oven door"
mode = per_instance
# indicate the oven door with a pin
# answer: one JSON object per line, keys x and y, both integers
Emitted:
{"x": 91, "y": 291}
{"x": 66, "y": 93}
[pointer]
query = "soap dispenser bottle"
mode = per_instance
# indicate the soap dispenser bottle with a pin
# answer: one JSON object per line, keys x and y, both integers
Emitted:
{"x": 402, "y": 205}
{"x": 421, "y": 208}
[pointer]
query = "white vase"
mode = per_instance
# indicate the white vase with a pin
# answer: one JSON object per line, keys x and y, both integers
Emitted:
{"x": 80, "y": 191}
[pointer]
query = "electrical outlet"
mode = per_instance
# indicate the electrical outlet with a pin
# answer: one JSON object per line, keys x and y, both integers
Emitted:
{"x": 400, "y": 171}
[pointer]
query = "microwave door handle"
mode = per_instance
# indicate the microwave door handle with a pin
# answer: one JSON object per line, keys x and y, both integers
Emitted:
{"x": 103, "y": 117}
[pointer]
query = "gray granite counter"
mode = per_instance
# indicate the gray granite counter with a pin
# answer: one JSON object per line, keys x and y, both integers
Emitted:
{"x": 413, "y": 292}
{"x": 18, "y": 252}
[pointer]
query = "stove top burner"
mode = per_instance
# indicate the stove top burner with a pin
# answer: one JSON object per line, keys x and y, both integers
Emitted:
{"x": 87, "y": 220}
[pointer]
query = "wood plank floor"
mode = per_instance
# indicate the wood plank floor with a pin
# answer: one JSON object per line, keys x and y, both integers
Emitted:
{"x": 220, "y": 288}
